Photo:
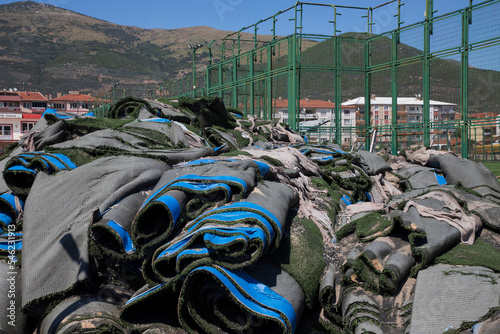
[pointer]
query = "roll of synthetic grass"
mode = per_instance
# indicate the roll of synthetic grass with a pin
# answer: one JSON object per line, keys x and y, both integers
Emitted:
{"x": 371, "y": 163}
{"x": 114, "y": 142}
{"x": 299, "y": 255}
{"x": 112, "y": 232}
{"x": 383, "y": 264}
{"x": 321, "y": 153}
{"x": 11, "y": 245}
{"x": 21, "y": 170}
{"x": 487, "y": 210}
{"x": 260, "y": 167}
{"x": 128, "y": 107}
{"x": 159, "y": 131}
{"x": 98, "y": 313}
{"x": 233, "y": 236}
{"x": 169, "y": 112}
{"x": 209, "y": 111}
{"x": 358, "y": 309}
{"x": 419, "y": 177}
{"x": 218, "y": 137}
{"x": 38, "y": 139}
{"x": 183, "y": 194}
{"x": 262, "y": 298}
{"x": 11, "y": 207}
{"x": 327, "y": 296}
{"x": 428, "y": 237}
{"x": 469, "y": 173}
{"x": 57, "y": 216}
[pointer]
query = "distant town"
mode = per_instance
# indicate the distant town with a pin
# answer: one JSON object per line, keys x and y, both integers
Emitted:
{"x": 20, "y": 110}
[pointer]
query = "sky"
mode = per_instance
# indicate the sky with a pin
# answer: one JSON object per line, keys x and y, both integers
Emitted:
{"x": 232, "y": 15}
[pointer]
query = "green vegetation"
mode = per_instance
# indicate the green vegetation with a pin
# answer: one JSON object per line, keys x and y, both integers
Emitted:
{"x": 235, "y": 153}
{"x": 480, "y": 253}
{"x": 272, "y": 161}
{"x": 333, "y": 196}
{"x": 367, "y": 228}
{"x": 372, "y": 226}
{"x": 302, "y": 257}
{"x": 494, "y": 167}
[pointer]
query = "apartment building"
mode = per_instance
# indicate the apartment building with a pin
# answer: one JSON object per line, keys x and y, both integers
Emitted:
{"x": 74, "y": 102}
{"x": 309, "y": 110}
{"x": 33, "y": 102}
{"x": 410, "y": 110}
{"x": 15, "y": 120}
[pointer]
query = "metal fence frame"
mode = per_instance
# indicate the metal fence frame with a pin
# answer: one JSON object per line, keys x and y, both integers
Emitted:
{"x": 253, "y": 79}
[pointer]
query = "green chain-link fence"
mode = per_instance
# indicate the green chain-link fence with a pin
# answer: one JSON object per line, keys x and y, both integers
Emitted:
{"x": 446, "y": 65}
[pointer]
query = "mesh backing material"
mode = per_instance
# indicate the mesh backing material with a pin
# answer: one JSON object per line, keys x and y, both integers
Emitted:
{"x": 57, "y": 238}
{"x": 446, "y": 296}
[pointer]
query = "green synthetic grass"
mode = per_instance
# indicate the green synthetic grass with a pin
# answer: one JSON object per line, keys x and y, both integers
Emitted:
{"x": 272, "y": 161}
{"x": 235, "y": 153}
{"x": 480, "y": 253}
{"x": 371, "y": 226}
{"x": 494, "y": 167}
{"x": 301, "y": 255}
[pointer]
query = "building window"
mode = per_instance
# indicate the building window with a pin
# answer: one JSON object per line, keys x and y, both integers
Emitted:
{"x": 27, "y": 126}
{"x": 347, "y": 122}
{"x": 375, "y": 108}
{"x": 74, "y": 105}
{"x": 347, "y": 112}
{"x": 39, "y": 104}
{"x": 376, "y": 117}
{"x": 284, "y": 112}
{"x": 26, "y": 105}
{"x": 386, "y": 117}
{"x": 386, "y": 108}
{"x": 323, "y": 112}
{"x": 59, "y": 106}
{"x": 6, "y": 132}
{"x": 436, "y": 117}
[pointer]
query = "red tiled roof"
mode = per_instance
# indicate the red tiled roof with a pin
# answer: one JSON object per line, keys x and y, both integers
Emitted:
{"x": 15, "y": 98}
{"x": 484, "y": 115}
{"x": 305, "y": 104}
{"x": 32, "y": 96}
{"x": 73, "y": 98}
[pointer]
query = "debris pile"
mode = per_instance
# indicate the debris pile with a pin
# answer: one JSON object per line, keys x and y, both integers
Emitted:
{"x": 164, "y": 218}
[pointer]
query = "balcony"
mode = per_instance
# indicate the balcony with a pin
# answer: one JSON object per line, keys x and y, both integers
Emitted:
{"x": 308, "y": 116}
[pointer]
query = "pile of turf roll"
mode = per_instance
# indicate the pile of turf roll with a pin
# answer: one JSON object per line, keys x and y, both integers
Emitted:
{"x": 175, "y": 216}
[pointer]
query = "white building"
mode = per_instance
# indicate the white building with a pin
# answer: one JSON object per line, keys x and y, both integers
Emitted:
{"x": 410, "y": 110}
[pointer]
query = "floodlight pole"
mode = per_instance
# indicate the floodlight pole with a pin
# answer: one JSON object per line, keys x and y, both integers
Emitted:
{"x": 193, "y": 50}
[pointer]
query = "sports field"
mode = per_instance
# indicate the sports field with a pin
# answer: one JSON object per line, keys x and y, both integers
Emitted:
{"x": 494, "y": 167}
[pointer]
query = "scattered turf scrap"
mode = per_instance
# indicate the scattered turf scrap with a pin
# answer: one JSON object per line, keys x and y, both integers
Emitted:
{"x": 372, "y": 226}
{"x": 480, "y": 253}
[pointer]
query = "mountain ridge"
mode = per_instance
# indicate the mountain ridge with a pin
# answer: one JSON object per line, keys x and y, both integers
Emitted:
{"x": 76, "y": 51}
{"x": 79, "y": 52}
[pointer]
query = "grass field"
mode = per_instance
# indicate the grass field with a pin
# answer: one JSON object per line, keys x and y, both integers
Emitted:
{"x": 494, "y": 167}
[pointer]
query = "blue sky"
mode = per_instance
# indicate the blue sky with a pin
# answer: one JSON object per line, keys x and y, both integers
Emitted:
{"x": 235, "y": 14}
{"x": 232, "y": 15}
